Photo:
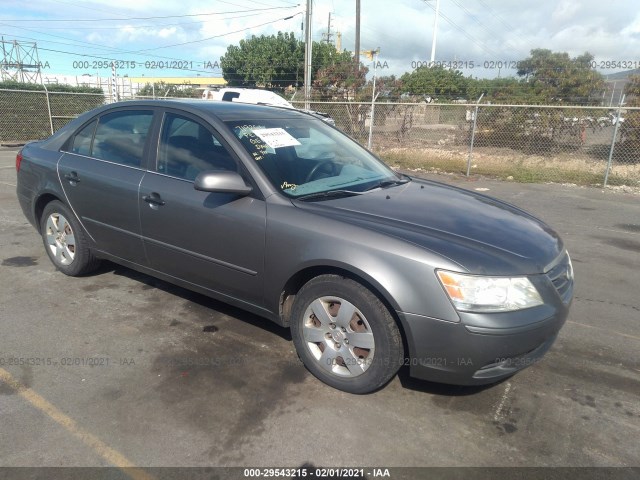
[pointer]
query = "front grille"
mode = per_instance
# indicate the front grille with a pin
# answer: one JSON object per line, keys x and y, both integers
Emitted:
{"x": 561, "y": 275}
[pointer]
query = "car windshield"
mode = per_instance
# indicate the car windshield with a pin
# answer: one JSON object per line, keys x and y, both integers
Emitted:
{"x": 306, "y": 157}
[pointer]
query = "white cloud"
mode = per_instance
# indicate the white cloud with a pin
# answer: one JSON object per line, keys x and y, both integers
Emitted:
{"x": 130, "y": 33}
{"x": 633, "y": 28}
{"x": 471, "y": 31}
{"x": 565, "y": 11}
{"x": 167, "y": 32}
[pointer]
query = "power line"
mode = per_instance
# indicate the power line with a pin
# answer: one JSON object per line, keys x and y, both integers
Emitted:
{"x": 481, "y": 24}
{"x": 210, "y": 38}
{"x": 496, "y": 16}
{"x": 463, "y": 31}
{"x": 110, "y": 56}
{"x": 151, "y": 25}
{"x": 94, "y": 9}
{"x": 137, "y": 18}
{"x": 271, "y": 5}
{"x": 501, "y": 20}
{"x": 80, "y": 42}
{"x": 124, "y": 52}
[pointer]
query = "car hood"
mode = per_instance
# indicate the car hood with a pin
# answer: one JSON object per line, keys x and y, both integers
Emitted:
{"x": 481, "y": 234}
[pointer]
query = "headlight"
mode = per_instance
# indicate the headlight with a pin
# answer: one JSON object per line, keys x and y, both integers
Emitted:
{"x": 474, "y": 293}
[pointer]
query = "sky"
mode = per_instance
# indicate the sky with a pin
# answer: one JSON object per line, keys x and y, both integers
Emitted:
{"x": 483, "y": 38}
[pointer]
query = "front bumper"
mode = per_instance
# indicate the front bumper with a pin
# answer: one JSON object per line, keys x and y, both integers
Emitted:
{"x": 485, "y": 348}
{"x": 450, "y": 353}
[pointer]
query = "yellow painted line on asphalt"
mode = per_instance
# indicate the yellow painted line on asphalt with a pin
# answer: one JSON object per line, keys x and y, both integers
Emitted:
{"x": 634, "y": 337}
{"x": 98, "y": 446}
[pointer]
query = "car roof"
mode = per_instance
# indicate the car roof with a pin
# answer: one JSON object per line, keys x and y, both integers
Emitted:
{"x": 216, "y": 110}
{"x": 223, "y": 110}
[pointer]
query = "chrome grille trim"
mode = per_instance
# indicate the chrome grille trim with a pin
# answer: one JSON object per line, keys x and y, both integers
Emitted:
{"x": 561, "y": 275}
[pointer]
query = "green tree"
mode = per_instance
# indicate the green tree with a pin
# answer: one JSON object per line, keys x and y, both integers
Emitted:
{"x": 506, "y": 90}
{"x": 275, "y": 61}
{"x": 389, "y": 86}
{"x": 554, "y": 77}
{"x": 270, "y": 61}
{"x": 325, "y": 55}
{"x": 340, "y": 80}
{"x": 630, "y": 128}
{"x": 435, "y": 81}
{"x": 632, "y": 91}
{"x": 343, "y": 81}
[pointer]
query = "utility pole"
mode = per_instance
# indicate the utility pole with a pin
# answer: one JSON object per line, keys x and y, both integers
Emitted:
{"x": 308, "y": 51}
{"x": 297, "y": 69}
{"x": 328, "y": 35}
{"x": 435, "y": 34}
{"x": 357, "y": 50}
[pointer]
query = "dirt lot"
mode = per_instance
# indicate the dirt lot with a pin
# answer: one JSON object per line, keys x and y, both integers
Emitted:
{"x": 121, "y": 369}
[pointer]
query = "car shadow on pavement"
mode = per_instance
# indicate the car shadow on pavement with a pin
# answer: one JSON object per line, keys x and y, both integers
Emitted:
{"x": 202, "y": 300}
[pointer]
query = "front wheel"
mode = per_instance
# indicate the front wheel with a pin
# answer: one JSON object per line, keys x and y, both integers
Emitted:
{"x": 64, "y": 240}
{"x": 345, "y": 335}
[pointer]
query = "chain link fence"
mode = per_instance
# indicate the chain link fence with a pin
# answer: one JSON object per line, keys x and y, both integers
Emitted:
{"x": 30, "y": 115}
{"x": 582, "y": 145}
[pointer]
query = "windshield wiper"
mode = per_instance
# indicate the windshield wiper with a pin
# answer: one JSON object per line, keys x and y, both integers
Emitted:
{"x": 389, "y": 183}
{"x": 328, "y": 194}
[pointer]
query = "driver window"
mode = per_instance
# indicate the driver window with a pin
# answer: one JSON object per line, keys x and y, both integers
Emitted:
{"x": 187, "y": 148}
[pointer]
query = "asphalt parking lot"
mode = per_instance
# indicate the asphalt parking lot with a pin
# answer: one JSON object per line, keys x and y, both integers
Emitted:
{"x": 121, "y": 369}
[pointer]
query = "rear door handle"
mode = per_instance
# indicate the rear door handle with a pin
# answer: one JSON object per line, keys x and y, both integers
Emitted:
{"x": 153, "y": 199}
{"x": 72, "y": 177}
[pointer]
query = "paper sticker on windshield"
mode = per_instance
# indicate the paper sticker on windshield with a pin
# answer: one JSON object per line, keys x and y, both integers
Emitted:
{"x": 276, "y": 137}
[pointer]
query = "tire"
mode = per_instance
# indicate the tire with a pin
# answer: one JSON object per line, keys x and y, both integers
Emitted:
{"x": 65, "y": 241}
{"x": 357, "y": 351}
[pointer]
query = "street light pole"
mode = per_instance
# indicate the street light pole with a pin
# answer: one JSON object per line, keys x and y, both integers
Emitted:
{"x": 357, "y": 46}
{"x": 374, "y": 57}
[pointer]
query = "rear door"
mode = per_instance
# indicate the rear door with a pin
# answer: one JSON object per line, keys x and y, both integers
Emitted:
{"x": 100, "y": 174}
{"x": 214, "y": 240}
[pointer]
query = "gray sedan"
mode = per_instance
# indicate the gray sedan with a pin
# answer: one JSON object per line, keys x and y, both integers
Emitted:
{"x": 278, "y": 213}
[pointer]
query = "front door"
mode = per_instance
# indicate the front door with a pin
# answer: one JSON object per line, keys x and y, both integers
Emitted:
{"x": 214, "y": 240}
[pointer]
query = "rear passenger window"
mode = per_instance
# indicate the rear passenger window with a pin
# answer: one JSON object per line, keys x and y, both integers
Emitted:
{"x": 187, "y": 148}
{"x": 121, "y": 136}
{"x": 82, "y": 140}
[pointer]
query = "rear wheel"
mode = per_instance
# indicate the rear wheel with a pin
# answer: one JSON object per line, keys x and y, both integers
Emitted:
{"x": 64, "y": 240}
{"x": 345, "y": 335}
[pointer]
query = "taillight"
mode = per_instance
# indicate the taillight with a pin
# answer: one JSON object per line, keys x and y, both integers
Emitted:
{"x": 18, "y": 160}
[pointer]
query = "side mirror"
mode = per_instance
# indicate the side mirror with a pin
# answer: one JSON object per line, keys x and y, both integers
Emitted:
{"x": 221, "y": 182}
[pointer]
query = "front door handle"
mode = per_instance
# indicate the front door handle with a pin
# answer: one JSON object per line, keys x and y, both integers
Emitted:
{"x": 153, "y": 199}
{"x": 72, "y": 177}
